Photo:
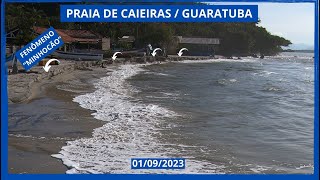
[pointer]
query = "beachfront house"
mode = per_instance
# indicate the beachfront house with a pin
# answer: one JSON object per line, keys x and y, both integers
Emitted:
{"x": 74, "y": 40}
{"x": 197, "y": 46}
{"x": 80, "y": 40}
{"x": 126, "y": 42}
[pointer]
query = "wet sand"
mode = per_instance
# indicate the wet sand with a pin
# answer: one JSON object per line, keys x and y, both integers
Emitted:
{"x": 43, "y": 117}
{"x": 40, "y": 126}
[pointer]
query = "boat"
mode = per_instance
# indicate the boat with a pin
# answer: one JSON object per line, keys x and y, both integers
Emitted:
{"x": 77, "y": 55}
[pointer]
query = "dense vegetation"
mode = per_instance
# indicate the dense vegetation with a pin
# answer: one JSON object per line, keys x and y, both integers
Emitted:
{"x": 236, "y": 38}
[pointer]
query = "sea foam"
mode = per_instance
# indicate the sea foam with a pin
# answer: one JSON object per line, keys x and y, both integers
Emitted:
{"x": 247, "y": 59}
{"x": 132, "y": 129}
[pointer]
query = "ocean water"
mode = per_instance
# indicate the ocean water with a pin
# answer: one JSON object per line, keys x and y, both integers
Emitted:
{"x": 224, "y": 116}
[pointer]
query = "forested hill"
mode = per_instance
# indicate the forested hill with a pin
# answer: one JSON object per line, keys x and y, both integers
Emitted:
{"x": 236, "y": 38}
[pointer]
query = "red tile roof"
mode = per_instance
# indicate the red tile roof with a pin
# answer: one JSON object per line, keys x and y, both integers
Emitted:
{"x": 81, "y": 34}
{"x": 69, "y": 36}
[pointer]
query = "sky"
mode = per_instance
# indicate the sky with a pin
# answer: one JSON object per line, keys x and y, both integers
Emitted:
{"x": 293, "y": 21}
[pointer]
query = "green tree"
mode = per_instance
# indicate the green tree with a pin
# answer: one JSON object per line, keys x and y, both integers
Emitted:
{"x": 23, "y": 18}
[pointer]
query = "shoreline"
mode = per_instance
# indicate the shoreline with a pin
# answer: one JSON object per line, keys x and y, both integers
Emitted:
{"x": 28, "y": 143}
{"x": 34, "y": 138}
{"x": 41, "y": 147}
{"x": 22, "y": 87}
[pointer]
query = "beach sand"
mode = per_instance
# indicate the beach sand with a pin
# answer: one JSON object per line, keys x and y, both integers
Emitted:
{"x": 42, "y": 116}
{"x": 47, "y": 118}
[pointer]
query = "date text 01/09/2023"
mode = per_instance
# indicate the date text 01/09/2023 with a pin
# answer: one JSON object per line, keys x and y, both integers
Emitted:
{"x": 158, "y": 163}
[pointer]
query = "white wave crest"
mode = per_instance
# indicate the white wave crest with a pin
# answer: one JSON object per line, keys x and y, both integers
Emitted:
{"x": 131, "y": 130}
{"x": 218, "y": 60}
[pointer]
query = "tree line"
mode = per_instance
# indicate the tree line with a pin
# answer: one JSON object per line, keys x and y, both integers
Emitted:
{"x": 236, "y": 39}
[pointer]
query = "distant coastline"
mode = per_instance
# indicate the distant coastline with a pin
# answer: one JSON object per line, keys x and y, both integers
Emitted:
{"x": 301, "y": 51}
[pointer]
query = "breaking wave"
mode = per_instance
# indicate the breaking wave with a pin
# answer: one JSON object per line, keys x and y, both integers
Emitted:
{"x": 246, "y": 59}
{"x": 132, "y": 130}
